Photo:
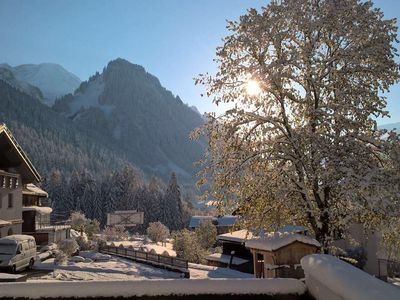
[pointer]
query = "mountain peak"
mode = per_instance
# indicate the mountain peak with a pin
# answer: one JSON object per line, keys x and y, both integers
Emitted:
{"x": 131, "y": 109}
{"x": 52, "y": 79}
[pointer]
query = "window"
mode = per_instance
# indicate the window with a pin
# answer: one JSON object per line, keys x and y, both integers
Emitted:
{"x": 10, "y": 200}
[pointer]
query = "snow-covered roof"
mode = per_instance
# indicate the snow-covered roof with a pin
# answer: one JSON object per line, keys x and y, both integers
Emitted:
{"x": 347, "y": 281}
{"x": 239, "y": 236}
{"x": 14, "y": 239}
{"x": 31, "y": 189}
{"x": 292, "y": 229}
{"x": 17, "y": 157}
{"x": 224, "y": 258}
{"x": 4, "y": 222}
{"x": 43, "y": 210}
{"x": 217, "y": 221}
{"x": 274, "y": 241}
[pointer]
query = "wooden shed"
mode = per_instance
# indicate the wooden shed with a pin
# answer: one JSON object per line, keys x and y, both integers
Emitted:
{"x": 233, "y": 245}
{"x": 278, "y": 255}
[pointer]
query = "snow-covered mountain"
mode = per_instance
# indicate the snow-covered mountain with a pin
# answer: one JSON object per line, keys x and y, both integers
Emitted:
{"x": 7, "y": 75}
{"x": 391, "y": 126}
{"x": 52, "y": 79}
{"x": 130, "y": 108}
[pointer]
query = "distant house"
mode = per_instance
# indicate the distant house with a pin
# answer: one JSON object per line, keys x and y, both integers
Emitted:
{"x": 366, "y": 245}
{"x": 278, "y": 254}
{"x": 16, "y": 170}
{"x": 223, "y": 223}
{"x": 37, "y": 218}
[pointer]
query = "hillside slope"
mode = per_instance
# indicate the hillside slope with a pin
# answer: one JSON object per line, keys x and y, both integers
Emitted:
{"x": 131, "y": 109}
{"x": 52, "y": 141}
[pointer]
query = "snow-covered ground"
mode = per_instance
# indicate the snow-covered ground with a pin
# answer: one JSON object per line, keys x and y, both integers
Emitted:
{"x": 117, "y": 268}
{"x": 114, "y": 269}
{"x": 203, "y": 271}
{"x": 139, "y": 244}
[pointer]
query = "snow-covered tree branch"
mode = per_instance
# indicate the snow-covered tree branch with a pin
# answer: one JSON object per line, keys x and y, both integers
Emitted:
{"x": 305, "y": 148}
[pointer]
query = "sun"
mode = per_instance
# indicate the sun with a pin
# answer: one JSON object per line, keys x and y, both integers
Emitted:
{"x": 253, "y": 88}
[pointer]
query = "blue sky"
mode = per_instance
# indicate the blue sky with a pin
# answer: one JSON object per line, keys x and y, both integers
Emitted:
{"x": 173, "y": 39}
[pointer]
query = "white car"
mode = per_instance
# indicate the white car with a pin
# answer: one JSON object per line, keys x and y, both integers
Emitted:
{"x": 17, "y": 252}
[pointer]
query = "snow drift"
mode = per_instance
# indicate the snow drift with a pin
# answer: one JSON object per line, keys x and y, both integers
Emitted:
{"x": 152, "y": 288}
{"x": 329, "y": 278}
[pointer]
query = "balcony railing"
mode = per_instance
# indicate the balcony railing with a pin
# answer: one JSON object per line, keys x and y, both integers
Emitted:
{"x": 53, "y": 225}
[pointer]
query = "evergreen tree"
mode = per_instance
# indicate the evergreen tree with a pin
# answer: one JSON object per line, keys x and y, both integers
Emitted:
{"x": 173, "y": 205}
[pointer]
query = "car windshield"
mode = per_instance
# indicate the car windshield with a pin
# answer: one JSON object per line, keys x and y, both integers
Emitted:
{"x": 7, "y": 249}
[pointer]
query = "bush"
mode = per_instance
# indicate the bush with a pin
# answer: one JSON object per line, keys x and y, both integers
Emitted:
{"x": 92, "y": 227}
{"x": 99, "y": 242}
{"x": 60, "y": 258}
{"x": 206, "y": 234}
{"x": 78, "y": 221}
{"x": 84, "y": 244}
{"x": 115, "y": 233}
{"x": 187, "y": 247}
{"x": 157, "y": 232}
{"x": 69, "y": 247}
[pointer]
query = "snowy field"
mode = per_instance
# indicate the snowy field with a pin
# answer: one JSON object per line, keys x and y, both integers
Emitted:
{"x": 140, "y": 245}
{"x": 116, "y": 268}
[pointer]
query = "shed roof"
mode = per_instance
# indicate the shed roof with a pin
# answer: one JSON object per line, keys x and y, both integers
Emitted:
{"x": 12, "y": 156}
{"x": 276, "y": 240}
{"x": 239, "y": 236}
{"x": 292, "y": 229}
{"x": 31, "y": 189}
{"x": 217, "y": 221}
{"x": 243, "y": 235}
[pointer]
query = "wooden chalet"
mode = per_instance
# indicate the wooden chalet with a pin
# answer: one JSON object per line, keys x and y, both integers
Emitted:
{"x": 16, "y": 170}
{"x": 278, "y": 255}
{"x": 21, "y": 209}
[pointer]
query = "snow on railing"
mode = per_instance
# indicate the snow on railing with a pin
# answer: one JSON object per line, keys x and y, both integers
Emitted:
{"x": 165, "y": 287}
{"x": 327, "y": 277}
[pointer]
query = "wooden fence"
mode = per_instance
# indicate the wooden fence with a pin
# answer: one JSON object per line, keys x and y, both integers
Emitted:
{"x": 157, "y": 260}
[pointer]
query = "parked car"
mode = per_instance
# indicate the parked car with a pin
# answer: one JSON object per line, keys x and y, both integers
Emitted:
{"x": 17, "y": 252}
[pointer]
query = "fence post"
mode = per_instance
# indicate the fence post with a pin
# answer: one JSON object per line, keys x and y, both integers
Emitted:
{"x": 379, "y": 268}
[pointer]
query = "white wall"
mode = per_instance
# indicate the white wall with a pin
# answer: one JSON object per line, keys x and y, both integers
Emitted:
{"x": 369, "y": 241}
{"x": 13, "y": 213}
